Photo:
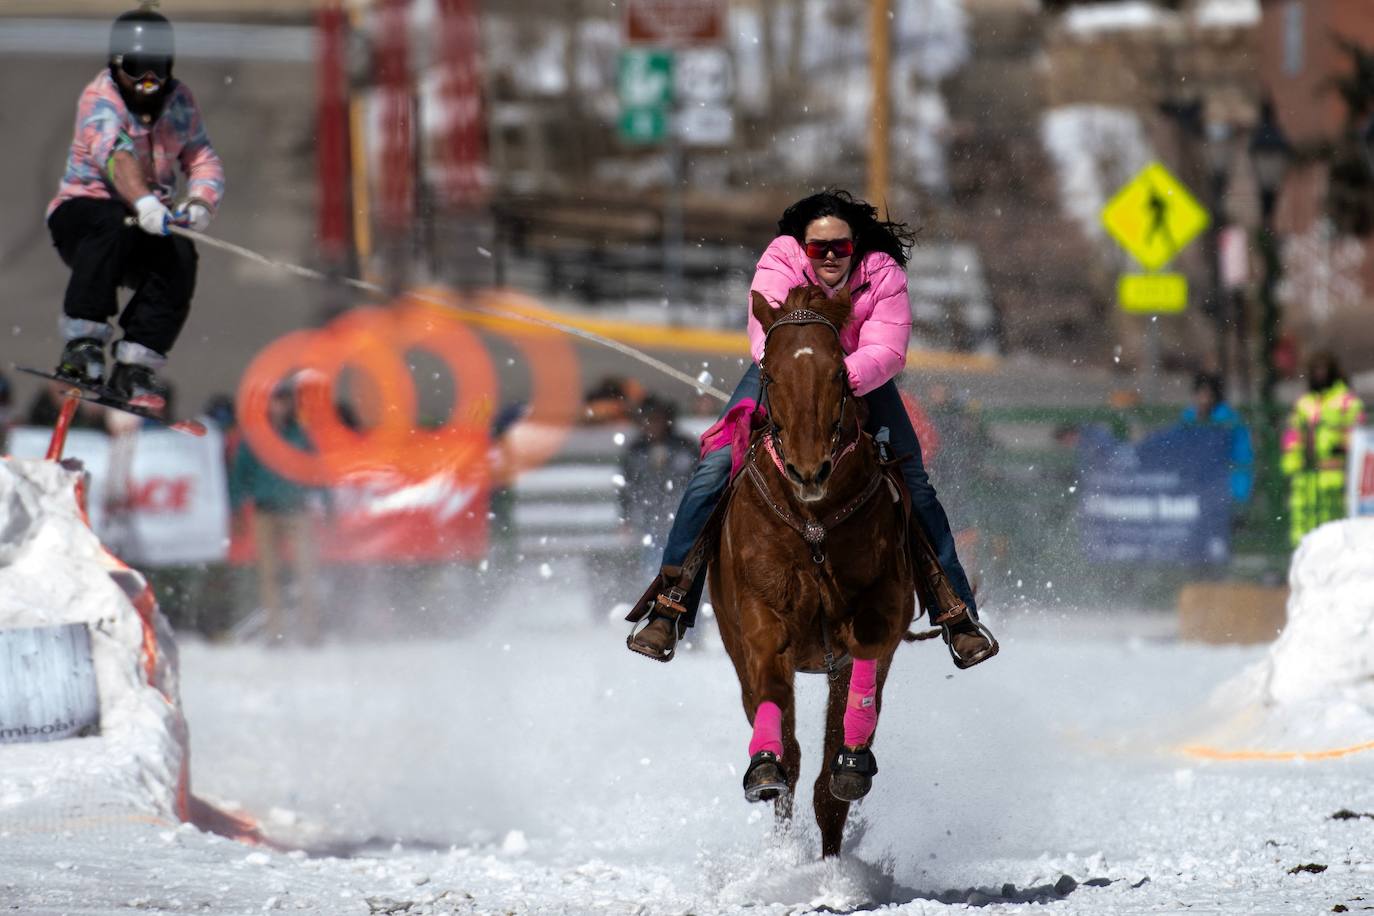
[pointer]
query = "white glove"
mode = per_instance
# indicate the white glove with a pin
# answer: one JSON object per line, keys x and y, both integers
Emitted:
{"x": 152, "y": 215}
{"x": 194, "y": 216}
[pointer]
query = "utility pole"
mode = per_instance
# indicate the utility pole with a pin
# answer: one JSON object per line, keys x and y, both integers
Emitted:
{"x": 880, "y": 53}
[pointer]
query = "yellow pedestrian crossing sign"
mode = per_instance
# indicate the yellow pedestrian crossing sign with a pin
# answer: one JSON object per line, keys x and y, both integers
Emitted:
{"x": 1154, "y": 217}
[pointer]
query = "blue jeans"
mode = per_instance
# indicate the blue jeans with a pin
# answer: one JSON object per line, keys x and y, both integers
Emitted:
{"x": 885, "y": 408}
{"x": 712, "y": 475}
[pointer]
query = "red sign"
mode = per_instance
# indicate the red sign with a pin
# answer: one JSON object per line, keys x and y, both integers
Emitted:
{"x": 160, "y": 494}
{"x": 675, "y": 22}
{"x": 381, "y": 519}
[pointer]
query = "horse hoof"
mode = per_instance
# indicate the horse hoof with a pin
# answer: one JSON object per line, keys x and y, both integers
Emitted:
{"x": 764, "y": 780}
{"x": 849, "y": 787}
{"x": 851, "y": 773}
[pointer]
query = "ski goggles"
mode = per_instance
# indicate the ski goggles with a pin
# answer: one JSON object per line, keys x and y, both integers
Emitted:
{"x": 841, "y": 248}
{"x": 136, "y": 65}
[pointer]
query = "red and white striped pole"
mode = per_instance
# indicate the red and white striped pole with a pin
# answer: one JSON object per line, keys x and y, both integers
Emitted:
{"x": 396, "y": 162}
{"x": 331, "y": 138}
{"x": 461, "y": 175}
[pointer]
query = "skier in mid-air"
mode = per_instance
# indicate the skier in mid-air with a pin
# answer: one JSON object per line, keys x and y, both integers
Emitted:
{"x": 135, "y": 124}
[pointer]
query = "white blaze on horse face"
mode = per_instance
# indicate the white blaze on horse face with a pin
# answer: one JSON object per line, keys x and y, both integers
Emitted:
{"x": 804, "y": 351}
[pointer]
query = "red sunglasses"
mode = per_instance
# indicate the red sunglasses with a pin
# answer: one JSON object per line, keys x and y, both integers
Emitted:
{"x": 842, "y": 248}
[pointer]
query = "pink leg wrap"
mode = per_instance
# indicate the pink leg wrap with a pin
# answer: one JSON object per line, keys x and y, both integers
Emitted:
{"x": 861, "y": 713}
{"x": 767, "y": 730}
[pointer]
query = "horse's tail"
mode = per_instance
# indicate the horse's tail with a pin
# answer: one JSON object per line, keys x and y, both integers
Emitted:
{"x": 910, "y": 636}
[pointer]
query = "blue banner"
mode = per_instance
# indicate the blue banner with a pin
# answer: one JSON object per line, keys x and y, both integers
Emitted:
{"x": 1166, "y": 499}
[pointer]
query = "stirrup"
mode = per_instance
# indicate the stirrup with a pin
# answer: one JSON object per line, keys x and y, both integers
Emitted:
{"x": 961, "y": 662}
{"x": 667, "y": 606}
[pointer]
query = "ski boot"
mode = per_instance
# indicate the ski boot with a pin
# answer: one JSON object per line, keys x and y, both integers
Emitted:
{"x": 138, "y": 386}
{"x": 83, "y": 361}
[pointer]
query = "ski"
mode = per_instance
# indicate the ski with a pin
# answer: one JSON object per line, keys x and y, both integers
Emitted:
{"x": 99, "y": 395}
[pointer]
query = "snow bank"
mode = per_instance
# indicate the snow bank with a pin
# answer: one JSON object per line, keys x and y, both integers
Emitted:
{"x": 1089, "y": 22}
{"x": 1314, "y": 691}
{"x": 1115, "y": 17}
{"x": 53, "y": 570}
{"x": 1227, "y": 13}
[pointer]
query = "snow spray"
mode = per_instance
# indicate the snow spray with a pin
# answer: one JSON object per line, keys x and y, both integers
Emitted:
{"x": 861, "y": 713}
{"x": 767, "y": 729}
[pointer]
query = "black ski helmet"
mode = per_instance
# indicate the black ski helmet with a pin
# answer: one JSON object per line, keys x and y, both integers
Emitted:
{"x": 141, "y": 41}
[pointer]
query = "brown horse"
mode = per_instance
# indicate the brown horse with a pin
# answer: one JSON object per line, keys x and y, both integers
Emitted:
{"x": 812, "y": 563}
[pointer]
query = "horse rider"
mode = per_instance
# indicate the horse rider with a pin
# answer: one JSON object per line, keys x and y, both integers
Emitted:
{"x": 135, "y": 125}
{"x": 831, "y": 240}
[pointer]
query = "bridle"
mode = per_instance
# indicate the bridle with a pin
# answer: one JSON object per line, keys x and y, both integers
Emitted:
{"x": 773, "y": 442}
{"x": 813, "y": 531}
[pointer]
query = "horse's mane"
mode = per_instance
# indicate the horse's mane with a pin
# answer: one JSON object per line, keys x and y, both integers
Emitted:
{"x": 837, "y": 310}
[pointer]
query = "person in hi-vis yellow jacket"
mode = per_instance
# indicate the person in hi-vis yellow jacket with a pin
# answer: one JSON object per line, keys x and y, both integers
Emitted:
{"x": 1315, "y": 445}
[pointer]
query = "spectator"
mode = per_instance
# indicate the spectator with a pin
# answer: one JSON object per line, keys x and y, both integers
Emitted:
{"x": 1315, "y": 444}
{"x": 283, "y": 526}
{"x": 220, "y": 409}
{"x": 504, "y": 468}
{"x": 1209, "y": 408}
{"x": 612, "y": 400}
{"x": 958, "y": 457}
{"x": 654, "y": 465}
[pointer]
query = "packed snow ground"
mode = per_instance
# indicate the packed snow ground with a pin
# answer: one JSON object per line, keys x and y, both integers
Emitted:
{"x": 532, "y": 765}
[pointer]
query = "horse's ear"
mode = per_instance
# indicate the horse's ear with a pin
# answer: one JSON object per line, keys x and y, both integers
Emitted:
{"x": 764, "y": 312}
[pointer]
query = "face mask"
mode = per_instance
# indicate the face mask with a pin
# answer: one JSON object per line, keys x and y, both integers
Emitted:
{"x": 147, "y": 95}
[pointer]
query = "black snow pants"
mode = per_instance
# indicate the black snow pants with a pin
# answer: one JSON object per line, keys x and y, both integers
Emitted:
{"x": 105, "y": 254}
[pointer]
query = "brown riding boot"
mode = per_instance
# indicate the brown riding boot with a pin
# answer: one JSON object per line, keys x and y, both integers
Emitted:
{"x": 662, "y": 604}
{"x": 969, "y": 641}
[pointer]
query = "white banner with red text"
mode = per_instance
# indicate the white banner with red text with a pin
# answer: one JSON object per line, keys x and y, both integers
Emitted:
{"x": 160, "y": 498}
{"x": 156, "y": 498}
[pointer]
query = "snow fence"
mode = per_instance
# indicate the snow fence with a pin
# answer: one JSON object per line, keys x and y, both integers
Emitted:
{"x": 1312, "y": 696}
{"x": 54, "y": 571}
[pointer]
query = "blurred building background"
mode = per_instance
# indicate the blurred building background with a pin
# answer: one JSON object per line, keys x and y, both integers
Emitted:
{"x": 1010, "y": 123}
{"x": 629, "y": 161}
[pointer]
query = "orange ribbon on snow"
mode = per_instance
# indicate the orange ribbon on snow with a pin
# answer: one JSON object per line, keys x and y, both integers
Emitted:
{"x": 1212, "y": 753}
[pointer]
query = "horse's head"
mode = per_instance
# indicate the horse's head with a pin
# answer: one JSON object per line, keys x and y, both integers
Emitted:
{"x": 805, "y": 385}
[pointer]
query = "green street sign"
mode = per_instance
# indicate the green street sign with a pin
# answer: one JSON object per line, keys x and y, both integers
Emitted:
{"x": 645, "y": 84}
{"x": 645, "y": 78}
{"x": 643, "y": 125}
{"x": 1152, "y": 294}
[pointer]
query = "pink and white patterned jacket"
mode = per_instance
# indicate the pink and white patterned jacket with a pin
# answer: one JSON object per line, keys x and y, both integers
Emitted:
{"x": 876, "y": 337}
{"x": 105, "y": 126}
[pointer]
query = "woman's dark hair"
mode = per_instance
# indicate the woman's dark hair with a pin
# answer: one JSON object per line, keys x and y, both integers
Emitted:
{"x": 870, "y": 233}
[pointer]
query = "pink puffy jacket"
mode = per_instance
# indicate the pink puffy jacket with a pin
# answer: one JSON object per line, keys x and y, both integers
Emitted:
{"x": 875, "y": 338}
